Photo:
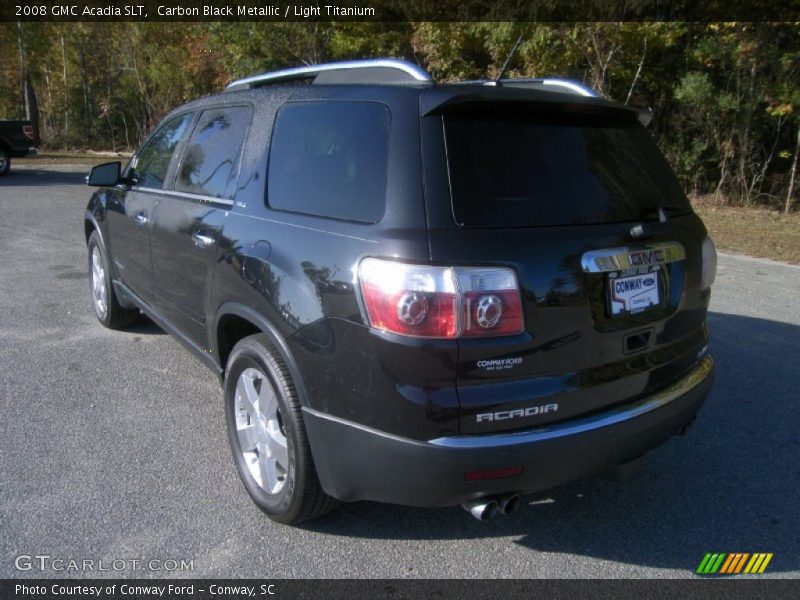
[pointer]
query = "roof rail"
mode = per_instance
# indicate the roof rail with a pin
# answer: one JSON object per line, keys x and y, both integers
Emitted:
{"x": 567, "y": 85}
{"x": 379, "y": 70}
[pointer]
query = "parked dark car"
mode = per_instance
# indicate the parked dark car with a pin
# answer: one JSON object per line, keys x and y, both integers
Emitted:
{"x": 16, "y": 140}
{"x": 414, "y": 293}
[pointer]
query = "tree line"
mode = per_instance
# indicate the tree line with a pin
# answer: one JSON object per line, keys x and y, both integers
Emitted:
{"x": 725, "y": 95}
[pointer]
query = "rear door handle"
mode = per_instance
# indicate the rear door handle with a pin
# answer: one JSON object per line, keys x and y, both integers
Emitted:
{"x": 201, "y": 240}
{"x": 141, "y": 218}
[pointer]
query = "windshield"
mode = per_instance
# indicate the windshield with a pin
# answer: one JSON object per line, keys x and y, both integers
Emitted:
{"x": 525, "y": 171}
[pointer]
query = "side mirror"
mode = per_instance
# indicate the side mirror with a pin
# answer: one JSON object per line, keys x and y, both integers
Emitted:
{"x": 104, "y": 175}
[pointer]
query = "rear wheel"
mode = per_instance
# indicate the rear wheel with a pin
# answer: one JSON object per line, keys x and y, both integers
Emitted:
{"x": 5, "y": 161}
{"x": 104, "y": 300}
{"x": 267, "y": 435}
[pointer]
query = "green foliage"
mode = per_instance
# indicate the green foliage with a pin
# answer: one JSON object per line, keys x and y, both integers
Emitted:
{"x": 695, "y": 89}
{"x": 725, "y": 95}
{"x": 357, "y": 40}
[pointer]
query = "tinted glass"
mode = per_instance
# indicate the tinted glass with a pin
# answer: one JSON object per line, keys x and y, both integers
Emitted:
{"x": 508, "y": 171}
{"x": 330, "y": 159}
{"x": 152, "y": 162}
{"x": 210, "y": 164}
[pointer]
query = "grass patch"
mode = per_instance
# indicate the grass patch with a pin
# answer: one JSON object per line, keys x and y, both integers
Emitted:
{"x": 753, "y": 231}
{"x": 75, "y": 157}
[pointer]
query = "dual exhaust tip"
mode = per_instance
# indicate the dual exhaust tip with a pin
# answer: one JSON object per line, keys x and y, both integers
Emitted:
{"x": 487, "y": 508}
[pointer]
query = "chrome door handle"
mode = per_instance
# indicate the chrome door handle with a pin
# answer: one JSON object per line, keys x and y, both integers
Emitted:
{"x": 141, "y": 218}
{"x": 201, "y": 240}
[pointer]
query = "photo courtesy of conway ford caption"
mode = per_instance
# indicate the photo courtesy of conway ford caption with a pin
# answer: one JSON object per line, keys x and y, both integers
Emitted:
{"x": 415, "y": 293}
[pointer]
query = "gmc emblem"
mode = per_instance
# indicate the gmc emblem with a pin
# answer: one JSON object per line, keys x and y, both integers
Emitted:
{"x": 646, "y": 257}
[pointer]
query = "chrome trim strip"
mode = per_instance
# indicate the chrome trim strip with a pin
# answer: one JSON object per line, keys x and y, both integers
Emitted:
{"x": 619, "y": 259}
{"x": 309, "y": 71}
{"x": 700, "y": 372}
{"x": 306, "y": 227}
{"x": 200, "y": 197}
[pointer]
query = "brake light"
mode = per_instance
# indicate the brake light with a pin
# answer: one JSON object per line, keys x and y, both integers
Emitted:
{"x": 440, "y": 302}
{"x": 411, "y": 300}
{"x": 490, "y": 302}
{"x": 28, "y": 131}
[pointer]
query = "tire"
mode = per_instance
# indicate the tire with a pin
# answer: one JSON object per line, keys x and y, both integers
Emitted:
{"x": 5, "y": 161}
{"x": 107, "y": 308}
{"x": 267, "y": 435}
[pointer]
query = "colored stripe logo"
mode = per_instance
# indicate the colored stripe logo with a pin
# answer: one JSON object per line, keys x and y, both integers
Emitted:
{"x": 734, "y": 563}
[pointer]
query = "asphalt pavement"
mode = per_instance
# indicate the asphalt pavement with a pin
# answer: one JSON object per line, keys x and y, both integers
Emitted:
{"x": 113, "y": 447}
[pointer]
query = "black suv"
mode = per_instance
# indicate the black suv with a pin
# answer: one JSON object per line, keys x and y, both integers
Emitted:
{"x": 414, "y": 293}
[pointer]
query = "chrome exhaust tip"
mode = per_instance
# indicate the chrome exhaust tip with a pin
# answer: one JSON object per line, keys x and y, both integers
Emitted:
{"x": 508, "y": 504}
{"x": 482, "y": 509}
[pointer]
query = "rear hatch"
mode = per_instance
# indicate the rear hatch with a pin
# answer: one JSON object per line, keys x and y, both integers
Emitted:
{"x": 572, "y": 194}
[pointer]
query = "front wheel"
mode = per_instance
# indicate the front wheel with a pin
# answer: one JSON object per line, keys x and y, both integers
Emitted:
{"x": 104, "y": 300}
{"x": 267, "y": 435}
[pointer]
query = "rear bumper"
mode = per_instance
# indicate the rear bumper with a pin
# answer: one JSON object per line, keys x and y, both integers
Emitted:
{"x": 359, "y": 463}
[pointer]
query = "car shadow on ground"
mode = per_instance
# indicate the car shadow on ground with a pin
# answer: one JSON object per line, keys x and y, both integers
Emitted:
{"x": 145, "y": 326}
{"x": 730, "y": 485}
{"x": 55, "y": 175}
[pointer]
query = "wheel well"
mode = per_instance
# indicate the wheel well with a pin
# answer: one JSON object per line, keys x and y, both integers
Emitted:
{"x": 5, "y": 146}
{"x": 231, "y": 329}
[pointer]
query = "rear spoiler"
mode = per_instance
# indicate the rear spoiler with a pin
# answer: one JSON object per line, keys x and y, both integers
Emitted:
{"x": 455, "y": 97}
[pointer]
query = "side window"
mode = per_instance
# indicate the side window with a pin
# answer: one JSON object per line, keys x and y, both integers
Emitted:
{"x": 152, "y": 161}
{"x": 330, "y": 159}
{"x": 210, "y": 163}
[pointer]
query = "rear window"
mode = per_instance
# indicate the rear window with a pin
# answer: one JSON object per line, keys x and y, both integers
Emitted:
{"x": 524, "y": 171}
{"x": 330, "y": 159}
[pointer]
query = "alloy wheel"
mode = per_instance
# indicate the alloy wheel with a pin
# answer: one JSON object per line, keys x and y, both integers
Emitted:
{"x": 99, "y": 291}
{"x": 260, "y": 431}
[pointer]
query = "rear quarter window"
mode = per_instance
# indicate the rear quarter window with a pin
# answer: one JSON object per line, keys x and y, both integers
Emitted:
{"x": 330, "y": 159}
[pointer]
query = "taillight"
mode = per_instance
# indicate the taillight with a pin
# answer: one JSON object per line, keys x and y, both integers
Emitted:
{"x": 709, "y": 264}
{"x": 490, "y": 302}
{"x": 440, "y": 302}
{"x": 409, "y": 299}
{"x": 28, "y": 131}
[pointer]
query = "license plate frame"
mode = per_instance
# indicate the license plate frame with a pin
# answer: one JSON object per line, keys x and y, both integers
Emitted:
{"x": 642, "y": 291}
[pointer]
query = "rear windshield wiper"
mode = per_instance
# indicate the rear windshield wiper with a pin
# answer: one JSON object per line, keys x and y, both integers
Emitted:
{"x": 644, "y": 231}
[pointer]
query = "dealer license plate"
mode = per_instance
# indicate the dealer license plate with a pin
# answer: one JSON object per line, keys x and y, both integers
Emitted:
{"x": 633, "y": 294}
